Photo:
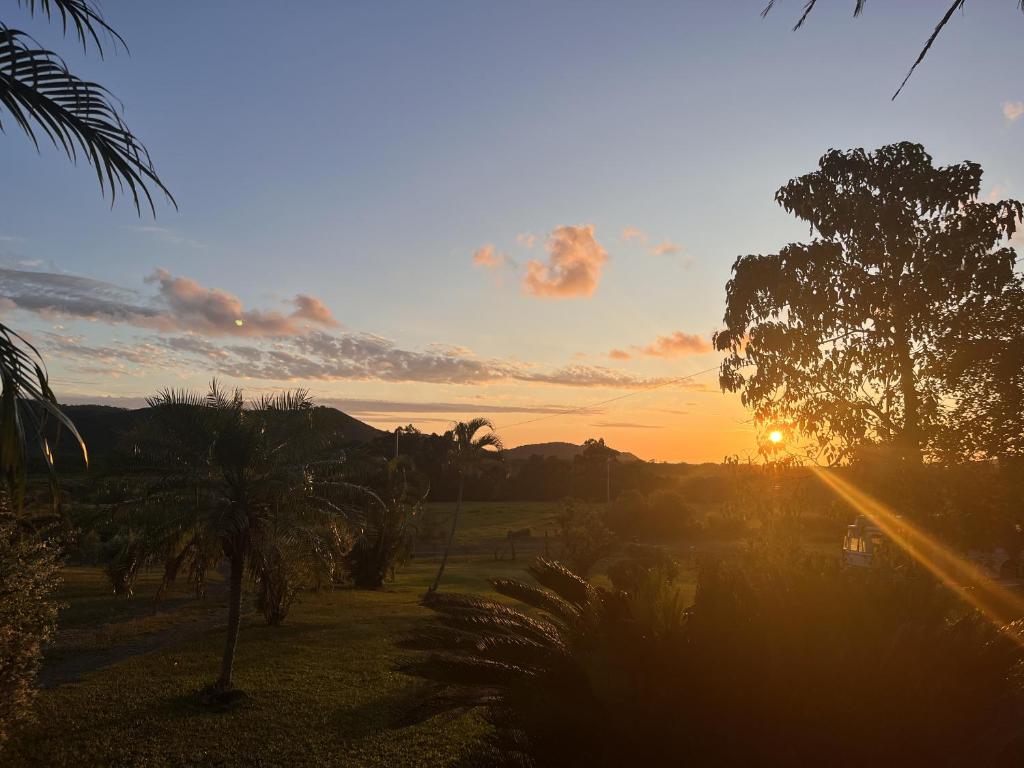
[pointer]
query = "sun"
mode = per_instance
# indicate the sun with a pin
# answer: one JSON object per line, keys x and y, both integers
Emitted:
{"x": 775, "y": 436}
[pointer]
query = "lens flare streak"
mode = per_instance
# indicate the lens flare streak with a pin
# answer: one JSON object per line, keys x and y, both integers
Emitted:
{"x": 995, "y": 601}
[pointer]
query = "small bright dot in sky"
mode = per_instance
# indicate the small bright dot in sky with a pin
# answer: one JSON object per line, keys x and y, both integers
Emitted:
{"x": 239, "y": 323}
{"x": 775, "y": 436}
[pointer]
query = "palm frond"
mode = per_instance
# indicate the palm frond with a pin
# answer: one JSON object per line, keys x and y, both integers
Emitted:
{"x": 41, "y": 95}
{"x": 567, "y": 585}
{"x": 535, "y": 597}
{"x": 82, "y": 15}
{"x": 171, "y": 397}
{"x": 288, "y": 400}
{"x": 468, "y": 613}
{"x": 957, "y": 5}
{"x": 26, "y": 405}
{"x": 858, "y": 8}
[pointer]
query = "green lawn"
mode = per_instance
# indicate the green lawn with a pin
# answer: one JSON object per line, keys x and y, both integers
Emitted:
{"x": 323, "y": 689}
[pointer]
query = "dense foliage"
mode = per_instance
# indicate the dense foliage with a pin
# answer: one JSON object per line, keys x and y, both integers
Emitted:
{"x": 28, "y": 616}
{"x": 784, "y": 658}
{"x": 383, "y": 540}
{"x": 846, "y": 339}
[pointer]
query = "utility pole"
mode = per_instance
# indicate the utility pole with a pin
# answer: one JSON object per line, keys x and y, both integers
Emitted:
{"x": 398, "y": 431}
{"x": 608, "y": 480}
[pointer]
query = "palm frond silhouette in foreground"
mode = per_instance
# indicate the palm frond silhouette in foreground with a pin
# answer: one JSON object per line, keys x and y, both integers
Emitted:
{"x": 27, "y": 405}
{"x": 957, "y": 5}
{"x": 45, "y": 100}
{"x": 781, "y": 657}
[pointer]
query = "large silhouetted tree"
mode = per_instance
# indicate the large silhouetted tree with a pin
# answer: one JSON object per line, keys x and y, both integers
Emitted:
{"x": 985, "y": 372}
{"x": 844, "y": 337}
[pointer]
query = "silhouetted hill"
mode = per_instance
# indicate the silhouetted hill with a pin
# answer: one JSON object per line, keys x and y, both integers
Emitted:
{"x": 102, "y": 427}
{"x": 566, "y": 451}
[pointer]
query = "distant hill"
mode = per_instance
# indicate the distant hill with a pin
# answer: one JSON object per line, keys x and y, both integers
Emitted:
{"x": 102, "y": 427}
{"x": 565, "y": 451}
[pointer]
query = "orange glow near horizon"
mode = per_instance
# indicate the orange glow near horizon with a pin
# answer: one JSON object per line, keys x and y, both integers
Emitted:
{"x": 997, "y": 603}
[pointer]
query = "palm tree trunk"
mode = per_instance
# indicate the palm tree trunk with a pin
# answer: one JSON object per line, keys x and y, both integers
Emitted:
{"x": 451, "y": 538}
{"x": 234, "y": 621}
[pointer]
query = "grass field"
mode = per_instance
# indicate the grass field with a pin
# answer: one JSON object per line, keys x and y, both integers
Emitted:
{"x": 322, "y": 689}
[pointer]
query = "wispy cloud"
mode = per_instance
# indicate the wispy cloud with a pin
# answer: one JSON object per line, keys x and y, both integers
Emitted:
{"x": 196, "y": 326}
{"x": 574, "y": 265}
{"x": 381, "y": 408}
{"x": 1012, "y": 110}
{"x": 169, "y": 236}
{"x": 676, "y": 344}
{"x": 526, "y": 239}
{"x": 488, "y": 257}
{"x": 632, "y": 233}
{"x": 665, "y": 248}
{"x": 180, "y": 304}
{"x": 625, "y": 425}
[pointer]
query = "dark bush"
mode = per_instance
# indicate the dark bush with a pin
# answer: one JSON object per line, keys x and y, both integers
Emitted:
{"x": 28, "y": 616}
{"x": 785, "y": 658}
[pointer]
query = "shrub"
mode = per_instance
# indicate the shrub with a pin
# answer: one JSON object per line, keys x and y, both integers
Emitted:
{"x": 28, "y": 616}
{"x": 586, "y": 539}
{"x": 638, "y": 564}
{"x": 663, "y": 514}
{"x": 785, "y": 658}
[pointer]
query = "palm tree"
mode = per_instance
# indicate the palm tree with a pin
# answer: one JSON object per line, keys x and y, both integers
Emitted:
{"x": 42, "y": 97}
{"x": 858, "y": 7}
{"x": 384, "y": 539}
{"x": 466, "y": 452}
{"x": 256, "y": 484}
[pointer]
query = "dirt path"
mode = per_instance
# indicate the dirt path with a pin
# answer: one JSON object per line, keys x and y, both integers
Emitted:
{"x": 149, "y": 626}
{"x": 75, "y": 655}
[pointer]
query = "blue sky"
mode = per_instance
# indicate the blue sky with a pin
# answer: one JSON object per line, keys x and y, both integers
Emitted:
{"x": 361, "y": 153}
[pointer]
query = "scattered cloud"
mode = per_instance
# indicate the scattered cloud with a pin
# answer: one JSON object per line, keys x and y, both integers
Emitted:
{"x": 574, "y": 265}
{"x": 381, "y": 408}
{"x": 995, "y": 193}
{"x": 526, "y": 239}
{"x": 676, "y": 344}
{"x": 181, "y": 304}
{"x": 665, "y": 248}
{"x": 625, "y": 425}
{"x": 1012, "y": 110}
{"x": 486, "y": 257}
{"x": 351, "y": 356}
{"x": 312, "y": 309}
{"x": 304, "y": 345}
{"x": 169, "y": 236}
{"x": 489, "y": 258}
{"x": 632, "y": 233}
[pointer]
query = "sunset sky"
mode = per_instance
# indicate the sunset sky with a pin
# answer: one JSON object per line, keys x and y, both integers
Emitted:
{"x": 423, "y": 211}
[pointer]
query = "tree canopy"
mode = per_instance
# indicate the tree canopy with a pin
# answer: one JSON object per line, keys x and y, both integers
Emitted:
{"x": 847, "y": 338}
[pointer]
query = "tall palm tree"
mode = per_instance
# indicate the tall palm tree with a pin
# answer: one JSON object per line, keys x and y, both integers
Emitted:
{"x": 466, "y": 453}
{"x": 256, "y": 484}
{"x": 43, "y": 98}
{"x": 858, "y": 7}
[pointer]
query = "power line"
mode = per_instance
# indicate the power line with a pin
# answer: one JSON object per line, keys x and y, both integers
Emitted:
{"x": 588, "y": 407}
